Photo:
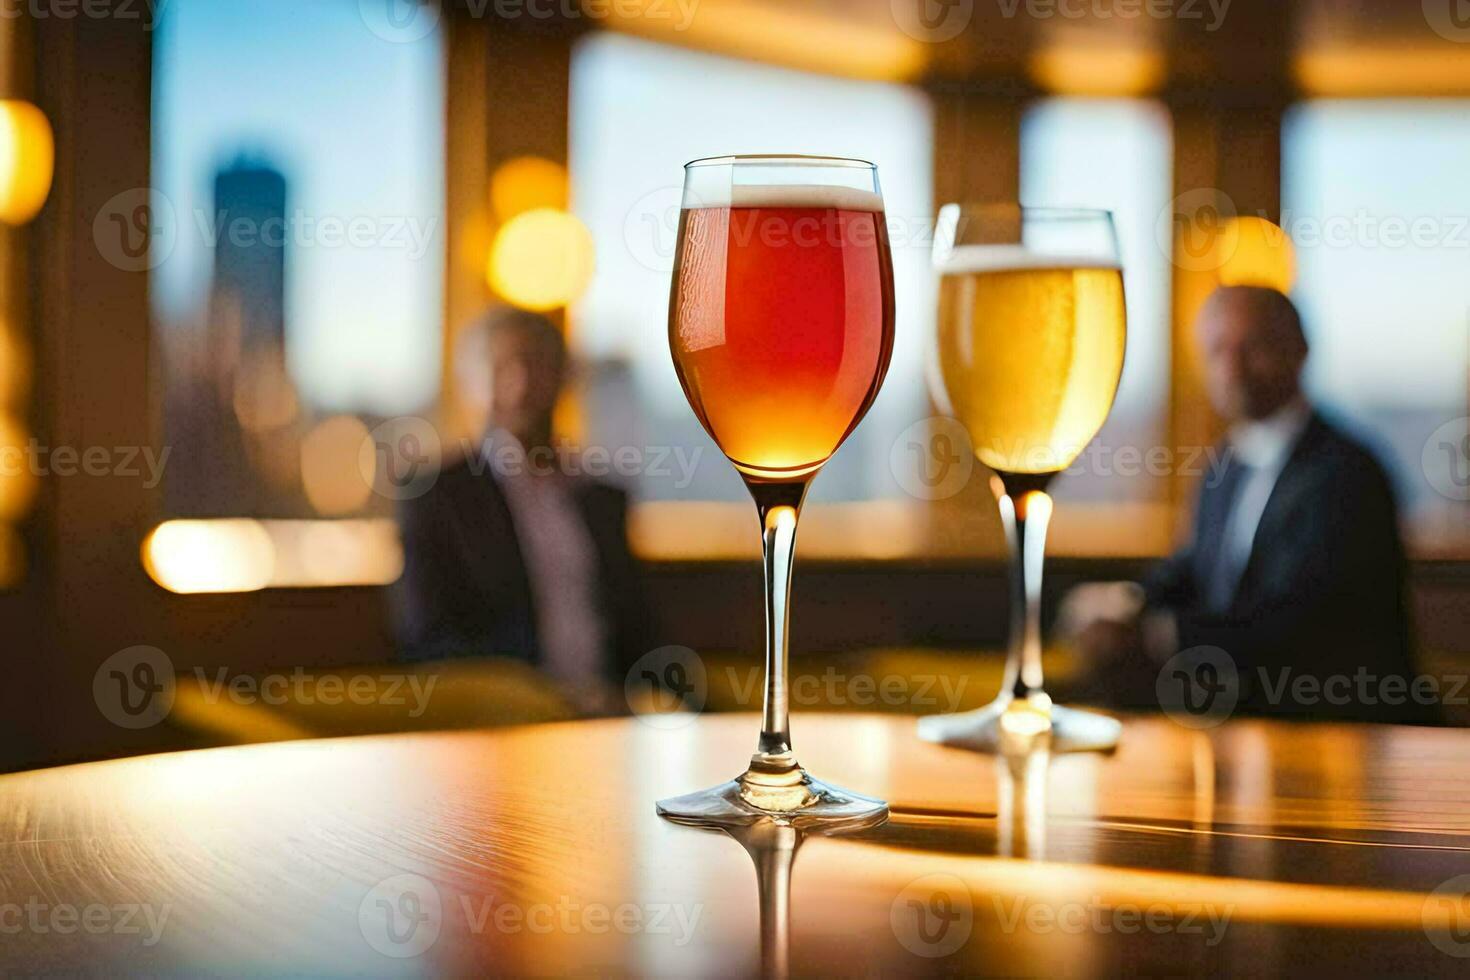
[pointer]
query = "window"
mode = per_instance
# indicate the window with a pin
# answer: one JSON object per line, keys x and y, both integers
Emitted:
{"x": 639, "y": 112}
{"x": 1376, "y": 202}
{"x": 297, "y": 271}
{"x": 1114, "y": 154}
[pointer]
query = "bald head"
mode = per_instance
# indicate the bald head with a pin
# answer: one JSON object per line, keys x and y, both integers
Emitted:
{"x": 1254, "y": 349}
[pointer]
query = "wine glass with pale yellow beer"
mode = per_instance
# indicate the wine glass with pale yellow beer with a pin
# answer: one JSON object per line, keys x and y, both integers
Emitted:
{"x": 1031, "y": 333}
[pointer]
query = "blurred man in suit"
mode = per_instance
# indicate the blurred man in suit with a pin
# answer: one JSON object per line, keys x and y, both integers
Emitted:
{"x": 1295, "y": 566}
{"x": 511, "y": 552}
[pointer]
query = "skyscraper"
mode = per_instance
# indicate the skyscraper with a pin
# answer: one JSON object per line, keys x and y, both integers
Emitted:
{"x": 250, "y": 251}
{"x": 232, "y": 406}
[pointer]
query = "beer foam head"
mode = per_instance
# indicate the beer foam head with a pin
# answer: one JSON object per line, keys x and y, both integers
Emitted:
{"x": 784, "y": 196}
{"x": 1005, "y": 258}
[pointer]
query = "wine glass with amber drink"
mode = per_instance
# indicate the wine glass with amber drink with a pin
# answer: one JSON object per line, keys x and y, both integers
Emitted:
{"x": 781, "y": 328}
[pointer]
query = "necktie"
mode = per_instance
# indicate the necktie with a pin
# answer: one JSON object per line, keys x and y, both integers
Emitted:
{"x": 1222, "y": 576}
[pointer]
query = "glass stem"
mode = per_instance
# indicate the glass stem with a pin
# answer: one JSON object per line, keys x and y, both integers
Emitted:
{"x": 778, "y": 506}
{"x": 1026, "y": 517}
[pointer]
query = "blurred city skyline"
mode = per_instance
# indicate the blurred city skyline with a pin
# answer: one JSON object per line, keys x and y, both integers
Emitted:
{"x": 341, "y": 112}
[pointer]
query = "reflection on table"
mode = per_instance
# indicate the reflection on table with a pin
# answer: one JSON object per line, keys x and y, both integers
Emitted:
{"x": 1253, "y": 847}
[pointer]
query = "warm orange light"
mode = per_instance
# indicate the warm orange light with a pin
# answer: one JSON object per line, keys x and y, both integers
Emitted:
{"x": 1361, "y": 71}
{"x": 1262, "y": 255}
{"x": 329, "y": 472}
{"x": 234, "y": 554}
{"x": 526, "y": 183}
{"x": 18, "y": 477}
{"x": 27, "y": 154}
{"x": 328, "y": 553}
{"x": 541, "y": 259}
{"x": 1117, "y": 70}
{"x": 783, "y": 33}
{"x": 15, "y": 369}
{"x": 226, "y": 555}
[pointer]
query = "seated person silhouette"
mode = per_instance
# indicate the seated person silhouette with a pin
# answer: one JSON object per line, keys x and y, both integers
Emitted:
{"x": 511, "y": 552}
{"x": 1295, "y": 565}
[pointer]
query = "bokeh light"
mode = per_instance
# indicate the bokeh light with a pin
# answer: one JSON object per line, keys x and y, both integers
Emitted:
{"x": 523, "y": 184}
{"x": 348, "y": 552}
{"x": 541, "y": 259}
{"x": 1071, "y": 69}
{"x": 1263, "y": 255}
{"x": 15, "y": 369}
{"x": 329, "y": 470}
{"x": 18, "y": 480}
{"x": 27, "y": 155}
{"x": 228, "y": 555}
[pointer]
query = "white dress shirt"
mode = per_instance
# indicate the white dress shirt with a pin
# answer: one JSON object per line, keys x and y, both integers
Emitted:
{"x": 560, "y": 558}
{"x": 1262, "y": 447}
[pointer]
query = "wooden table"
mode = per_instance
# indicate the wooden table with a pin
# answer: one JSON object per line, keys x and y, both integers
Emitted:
{"x": 1254, "y": 848}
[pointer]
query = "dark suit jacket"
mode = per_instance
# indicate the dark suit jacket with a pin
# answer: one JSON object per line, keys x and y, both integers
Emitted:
{"x": 1323, "y": 591}
{"x": 465, "y": 590}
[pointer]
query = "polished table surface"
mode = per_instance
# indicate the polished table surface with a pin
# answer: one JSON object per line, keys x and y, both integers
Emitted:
{"x": 1254, "y": 848}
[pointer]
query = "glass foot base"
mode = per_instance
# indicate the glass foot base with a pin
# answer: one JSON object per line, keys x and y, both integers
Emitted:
{"x": 1019, "y": 724}
{"x": 792, "y": 799}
